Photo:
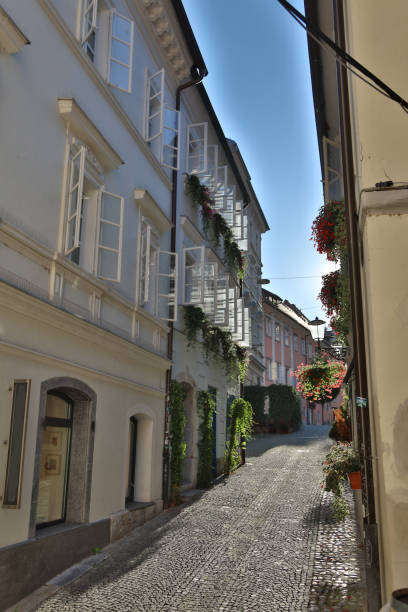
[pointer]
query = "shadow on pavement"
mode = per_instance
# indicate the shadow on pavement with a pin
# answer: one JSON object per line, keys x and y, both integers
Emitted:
{"x": 309, "y": 434}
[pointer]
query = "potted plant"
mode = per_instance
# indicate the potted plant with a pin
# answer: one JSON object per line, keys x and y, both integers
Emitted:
{"x": 339, "y": 463}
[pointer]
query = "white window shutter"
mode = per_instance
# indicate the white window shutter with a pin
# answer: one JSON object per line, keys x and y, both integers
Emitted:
{"x": 209, "y": 293}
{"x": 120, "y": 52}
{"x": 222, "y": 301}
{"x": 144, "y": 263}
{"x": 75, "y": 193}
{"x": 220, "y": 188}
{"x": 238, "y": 335}
{"x": 109, "y": 243}
{"x": 193, "y": 274}
{"x": 154, "y": 106}
{"x": 232, "y": 310}
{"x": 197, "y": 138}
{"x": 166, "y": 285}
{"x": 89, "y": 14}
{"x": 332, "y": 170}
{"x": 209, "y": 179}
{"x": 170, "y": 151}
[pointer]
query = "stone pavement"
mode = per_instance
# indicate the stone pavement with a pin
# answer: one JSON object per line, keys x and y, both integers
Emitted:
{"x": 263, "y": 539}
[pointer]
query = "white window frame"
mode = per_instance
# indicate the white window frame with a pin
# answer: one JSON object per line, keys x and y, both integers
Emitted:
{"x": 220, "y": 188}
{"x": 171, "y": 297}
{"x": 119, "y": 225}
{"x": 327, "y": 180}
{"x": 144, "y": 275}
{"x": 201, "y": 262}
{"x": 232, "y": 309}
{"x": 176, "y": 148}
{"x": 210, "y": 178}
{"x": 111, "y": 59}
{"x": 221, "y": 316}
{"x": 76, "y": 216}
{"x": 93, "y": 5}
{"x": 190, "y": 129}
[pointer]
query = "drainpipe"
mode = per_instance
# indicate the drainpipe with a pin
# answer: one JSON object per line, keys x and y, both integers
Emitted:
{"x": 197, "y": 73}
{"x": 360, "y": 366}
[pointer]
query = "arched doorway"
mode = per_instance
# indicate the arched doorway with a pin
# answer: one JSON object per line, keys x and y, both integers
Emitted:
{"x": 64, "y": 454}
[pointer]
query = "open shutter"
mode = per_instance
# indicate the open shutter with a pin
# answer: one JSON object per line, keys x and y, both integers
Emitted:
{"x": 90, "y": 11}
{"x": 243, "y": 241}
{"x": 75, "y": 192}
{"x": 144, "y": 263}
{"x": 209, "y": 286}
{"x": 237, "y": 336}
{"x": 238, "y": 223}
{"x": 232, "y": 310}
{"x": 171, "y": 129}
{"x": 166, "y": 285}
{"x": 222, "y": 301}
{"x": 333, "y": 184}
{"x": 154, "y": 106}
{"x": 220, "y": 188}
{"x": 197, "y": 136}
{"x": 209, "y": 179}
{"x": 193, "y": 274}
{"x": 110, "y": 228}
{"x": 120, "y": 52}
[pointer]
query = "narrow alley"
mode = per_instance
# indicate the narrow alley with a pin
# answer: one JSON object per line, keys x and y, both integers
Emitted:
{"x": 263, "y": 540}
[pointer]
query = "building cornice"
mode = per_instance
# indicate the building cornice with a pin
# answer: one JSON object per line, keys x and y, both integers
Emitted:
{"x": 12, "y": 40}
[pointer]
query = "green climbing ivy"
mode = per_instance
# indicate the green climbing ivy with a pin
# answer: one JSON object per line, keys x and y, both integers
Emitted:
{"x": 216, "y": 342}
{"x": 241, "y": 415}
{"x": 206, "y": 408}
{"x": 178, "y": 446}
{"x": 215, "y": 224}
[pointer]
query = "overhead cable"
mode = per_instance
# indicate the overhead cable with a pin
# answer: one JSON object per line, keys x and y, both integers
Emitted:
{"x": 343, "y": 57}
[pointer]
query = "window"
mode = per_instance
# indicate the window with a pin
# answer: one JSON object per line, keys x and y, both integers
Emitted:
{"x": 303, "y": 346}
{"x": 210, "y": 177}
{"x": 269, "y": 368}
{"x": 277, "y": 332}
{"x": 16, "y": 442}
{"x": 88, "y": 32}
{"x": 295, "y": 342}
{"x": 286, "y": 332}
{"x": 309, "y": 350}
{"x": 92, "y": 211}
{"x": 162, "y": 123}
{"x": 287, "y": 376}
{"x": 333, "y": 183}
{"x": 268, "y": 326}
{"x": 157, "y": 275}
{"x": 197, "y": 138}
{"x": 278, "y": 371}
{"x": 220, "y": 188}
{"x": 120, "y": 52}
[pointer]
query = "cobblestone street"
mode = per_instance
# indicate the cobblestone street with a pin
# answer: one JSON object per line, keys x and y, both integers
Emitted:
{"x": 262, "y": 540}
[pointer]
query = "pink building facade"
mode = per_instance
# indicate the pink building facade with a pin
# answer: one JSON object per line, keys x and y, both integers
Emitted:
{"x": 288, "y": 342}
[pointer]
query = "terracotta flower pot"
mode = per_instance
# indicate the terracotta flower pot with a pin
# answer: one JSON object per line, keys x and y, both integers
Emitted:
{"x": 399, "y": 601}
{"x": 355, "y": 480}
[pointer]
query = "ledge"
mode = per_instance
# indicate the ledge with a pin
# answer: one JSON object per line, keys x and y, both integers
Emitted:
{"x": 83, "y": 128}
{"x": 12, "y": 40}
{"x": 387, "y": 201}
{"x": 152, "y": 210}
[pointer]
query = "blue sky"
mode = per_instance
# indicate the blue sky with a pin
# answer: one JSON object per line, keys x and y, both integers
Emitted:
{"x": 259, "y": 85}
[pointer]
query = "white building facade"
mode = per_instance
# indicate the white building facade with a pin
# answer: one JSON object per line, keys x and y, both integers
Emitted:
{"x": 101, "y": 247}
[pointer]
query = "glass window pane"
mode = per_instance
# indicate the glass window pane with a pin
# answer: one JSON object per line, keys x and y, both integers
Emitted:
{"x": 75, "y": 172}
{"x": 119, "y": 75}
{"x": 170, "y": 157}
{"x": 57, "y": 407}
{"x": 170, "y": 138}
{"x": 71, "y": 234}
{"x": 171, "y": 118}
{"x": 111, "y": 206}
{"x": 109, "y": 235}
{"x": 121, "y": 28}
{"x": 120, "y": 51}
{"x": 154, "y": 127}
{"x": 16, "y": 443}
{"x": 53, "y": 474}
{"x": 155, "y": 85}
{"x": 107, "y": 264}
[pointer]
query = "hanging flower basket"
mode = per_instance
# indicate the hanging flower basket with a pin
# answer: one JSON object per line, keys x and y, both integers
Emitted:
{"x": 317, "y": 381}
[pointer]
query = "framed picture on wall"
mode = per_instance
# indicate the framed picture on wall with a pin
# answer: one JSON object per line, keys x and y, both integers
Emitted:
{"x": 52, "y": 465}
{"x": 53, "y": 439}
